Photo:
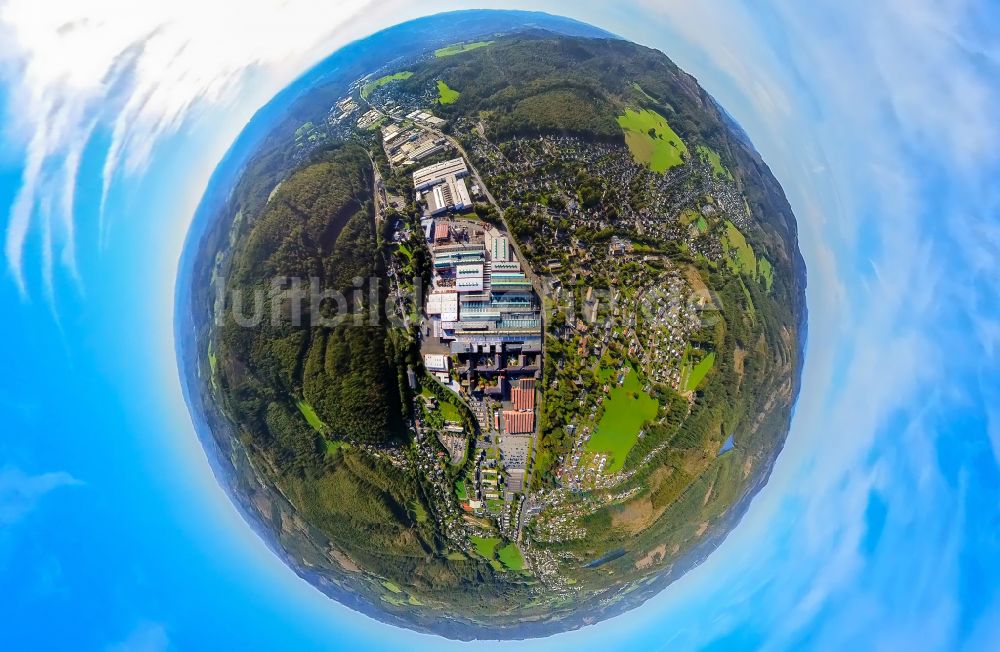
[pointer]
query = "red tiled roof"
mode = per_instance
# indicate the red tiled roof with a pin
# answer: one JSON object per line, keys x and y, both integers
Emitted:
{"x": 440, "y": 231}
{"x": 518, "y": 423}
{"x": 523, "y": 396}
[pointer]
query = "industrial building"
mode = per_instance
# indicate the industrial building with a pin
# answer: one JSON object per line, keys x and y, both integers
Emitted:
{"x": 442, "y": 187}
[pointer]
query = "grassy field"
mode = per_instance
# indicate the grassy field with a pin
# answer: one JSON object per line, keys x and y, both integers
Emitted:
{"x": 766, "y": 272}
{"x": 446, "y": 95}
{"x": 486, "y": 546}
{"x": 712, "y": 156}
{"x": 334, "y": 446}
{"x": 449, "y": 412}
{"x": 689, "y": 215}
{"x": 698, "y": 373}
{"x": 625, "y": 410}
{"x": 419, "y": 513}
{"x": 392, "y": 587}
{"x": 702, "y": 224}
{"x": 511, "y": 557}
{"x": 459, "y": 48}
{"x": 651, "y": 140}
{"x": 642, "y": 91}
{"x": 310, "y": 414}
{"x": 461, "y": 491}
{"x": 742, "y": 258}
{"x": 370, "y": 87}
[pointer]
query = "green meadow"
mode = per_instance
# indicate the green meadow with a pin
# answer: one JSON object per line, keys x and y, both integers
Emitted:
{"x": 712, "y": 156}
{"x": 486, "y": 546}
{"x": 446, "y": 95}
{"x": 651, "y": 140}
{"x": 370, "y": 87}
{"x": 310, "y": 414}
{"x": 741, "y": 258}
{"x": 698, "y": 373}
{"x": 511, "y": 557}
{"x": 626, "y": 409}
{"x": 459, "y": 48}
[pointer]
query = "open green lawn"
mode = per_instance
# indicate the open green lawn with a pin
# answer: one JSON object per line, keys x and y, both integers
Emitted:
{"x": 368, "y": 88}
{"x": 449, "y": 412}
{"x": 702, "y": 224}
{"x": 461, "y": 491}
{"x": 419, "y": 512}
{"x": 651, "y": 140}
{"x": 511, "y": 557}
{"x": 403, "y": 249}
{"x": 699, "y": 372}
{"x": 459, "y": 48}
{"x": 446, "y": 95}
{"x": 766, "y": 272}
{"x": 625, "y": 410}
{"x": 486, "y": 546}
{"x": 742, "y": 258}
{"x": 712, "y": 156}
{"x": 310, "y": 414}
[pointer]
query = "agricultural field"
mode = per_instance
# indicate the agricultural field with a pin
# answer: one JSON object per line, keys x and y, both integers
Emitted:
{"x": 446, "y": 95}
{"x": 459, "y": 48}
{"x": 627, "y": 408}
{"x": 651, "y": 140}
{"x": 370, "y": 87}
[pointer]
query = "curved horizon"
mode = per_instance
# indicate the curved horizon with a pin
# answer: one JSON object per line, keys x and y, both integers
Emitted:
{"x": 875, "y": 525}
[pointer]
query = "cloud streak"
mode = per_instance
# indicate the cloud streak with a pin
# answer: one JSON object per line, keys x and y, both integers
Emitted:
{"x": 133, "y": 74}
{"x": 20, "y": 492}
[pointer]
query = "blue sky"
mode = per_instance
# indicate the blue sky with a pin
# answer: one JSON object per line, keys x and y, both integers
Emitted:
{"x": 879, "y": 527}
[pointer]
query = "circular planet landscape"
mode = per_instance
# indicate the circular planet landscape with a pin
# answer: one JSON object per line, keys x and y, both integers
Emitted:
{"x": 491, "y": 325}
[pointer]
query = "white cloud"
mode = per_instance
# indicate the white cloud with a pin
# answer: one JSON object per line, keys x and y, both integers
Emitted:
{"x": 146, "y": 637}
{"x": 21, "y": 492}
{"x": 136, "y": 71}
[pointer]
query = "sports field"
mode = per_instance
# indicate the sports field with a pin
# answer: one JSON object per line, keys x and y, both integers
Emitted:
{"x": 459, "y": 48}
{"x": 446, "y": 95}
{"x": 625, "y": 410}
{"x": 651, "y": 140}
{"x": 368, "y": 88}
